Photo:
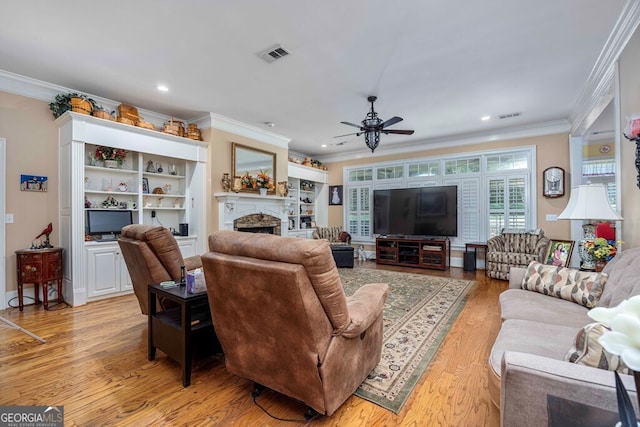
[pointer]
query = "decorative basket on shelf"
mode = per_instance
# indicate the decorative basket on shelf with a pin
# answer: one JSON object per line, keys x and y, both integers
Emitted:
{"x": 102, "y": 114}
{"x": 174, "y": 127}
{"x": 81, "y": 105}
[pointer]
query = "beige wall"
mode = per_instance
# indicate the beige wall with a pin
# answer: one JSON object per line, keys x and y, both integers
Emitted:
{"x": 32, "y": 148}
{"x": 629, "y": 104}
{"x": 552, "y": 150}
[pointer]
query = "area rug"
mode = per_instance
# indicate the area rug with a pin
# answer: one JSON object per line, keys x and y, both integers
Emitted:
{"x": 417, "y": 315}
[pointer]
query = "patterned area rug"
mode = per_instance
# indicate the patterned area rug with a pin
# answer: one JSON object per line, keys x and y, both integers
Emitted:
{"x": 418, "y": 313}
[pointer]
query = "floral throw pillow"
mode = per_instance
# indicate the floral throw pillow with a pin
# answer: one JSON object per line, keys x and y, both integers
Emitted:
{"x": 581, "y": 287}
{"x": 586, "y": 350}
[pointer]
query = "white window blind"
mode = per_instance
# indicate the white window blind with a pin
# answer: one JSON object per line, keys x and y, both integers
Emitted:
{"x": 359, "y": 212}
{"x": 468, "y": 210}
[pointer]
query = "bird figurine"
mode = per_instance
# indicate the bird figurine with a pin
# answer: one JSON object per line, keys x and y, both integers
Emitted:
{"x": 46, "y": 233}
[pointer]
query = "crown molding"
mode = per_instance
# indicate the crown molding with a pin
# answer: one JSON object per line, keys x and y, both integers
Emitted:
{"x": 45, "y": 91}
{"x": 526, "y": 131}
{"x": 226, "y": 124}
{"x": 598, "y": 92}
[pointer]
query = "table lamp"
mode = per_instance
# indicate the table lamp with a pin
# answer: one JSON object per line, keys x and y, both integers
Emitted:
{"x": 588, "y": 202}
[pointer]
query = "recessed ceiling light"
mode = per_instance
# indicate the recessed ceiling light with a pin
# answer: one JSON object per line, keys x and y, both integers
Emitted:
{"x": 485, "y": 118}
{"x": 162, "y": 88}
{"x": 324, "y": 146}
{"x": 270, "y": 124}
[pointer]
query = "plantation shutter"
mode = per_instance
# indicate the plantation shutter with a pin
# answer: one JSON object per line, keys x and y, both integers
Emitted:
{"x": 468, "y": 210}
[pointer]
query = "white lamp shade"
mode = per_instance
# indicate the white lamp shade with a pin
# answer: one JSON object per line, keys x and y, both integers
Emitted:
{"x": 589, "y": 202}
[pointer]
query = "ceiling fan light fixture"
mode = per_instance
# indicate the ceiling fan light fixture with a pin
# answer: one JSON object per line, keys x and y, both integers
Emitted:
{"x": 372, "y": 126}
{"x": 372, "y": 139}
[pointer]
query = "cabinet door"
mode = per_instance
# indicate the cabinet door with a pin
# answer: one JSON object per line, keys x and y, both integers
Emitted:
{"x": 125, "y": 280}
{"x": 187, "y": 246}
{"x": 103, "y": 270}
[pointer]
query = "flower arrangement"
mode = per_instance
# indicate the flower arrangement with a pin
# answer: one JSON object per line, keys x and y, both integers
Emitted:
{"x": 601, "y": 248}
{"x": 247, "y": 181}
{"x": 263, "y": 181}
{"x": 109, "y": 153}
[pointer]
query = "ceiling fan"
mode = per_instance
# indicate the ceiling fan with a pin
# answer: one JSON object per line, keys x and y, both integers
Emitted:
{"x": 372, "y": 126}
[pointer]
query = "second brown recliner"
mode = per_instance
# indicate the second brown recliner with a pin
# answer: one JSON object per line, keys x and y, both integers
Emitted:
{"x": 152, "y": 256}
{"x": 283, "y": 319}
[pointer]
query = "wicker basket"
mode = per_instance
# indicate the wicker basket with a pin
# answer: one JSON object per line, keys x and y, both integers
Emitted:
{"x": 145, "y": 125}
{"x": 81, "y": 106}
{"x": 128, "y": 112}
{"x": 101, "y": 114}
{"x": 174, "y": 127}
{"x": 125, "y": 121}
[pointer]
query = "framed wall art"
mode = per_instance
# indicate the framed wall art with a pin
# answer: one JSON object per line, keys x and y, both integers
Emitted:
{"x": 34, "y": 183}
{"x": 335, "y": 195}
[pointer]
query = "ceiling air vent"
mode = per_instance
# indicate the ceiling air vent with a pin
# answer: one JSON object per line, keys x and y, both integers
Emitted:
{"x": 509, "y": 115}
{"x": 273, "y": 53}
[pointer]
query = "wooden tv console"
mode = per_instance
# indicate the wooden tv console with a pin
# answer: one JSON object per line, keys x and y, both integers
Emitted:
{"x": 414, "y": 252}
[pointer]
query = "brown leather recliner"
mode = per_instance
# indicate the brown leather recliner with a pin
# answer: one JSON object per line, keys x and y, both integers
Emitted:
{"x": 282, "y": 317}
{"x": 152, "y": 256}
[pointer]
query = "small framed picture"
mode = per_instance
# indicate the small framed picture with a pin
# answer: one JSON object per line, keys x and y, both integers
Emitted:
{"x": 145, "y": 185}
{"x": 33, "y": 183}
{"x": 335, "y": 195}
{"x": 559, "y": 253}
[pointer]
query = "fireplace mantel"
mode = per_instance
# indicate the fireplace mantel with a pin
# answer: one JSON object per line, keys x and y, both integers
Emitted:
{"x": 232, "y": 206}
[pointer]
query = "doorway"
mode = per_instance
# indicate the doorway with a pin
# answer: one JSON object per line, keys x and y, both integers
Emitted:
{"x": 3, "y": 242}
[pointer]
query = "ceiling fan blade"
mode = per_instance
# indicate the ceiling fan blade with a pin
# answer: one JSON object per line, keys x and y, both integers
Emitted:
{"x": 350, "y": 124}
{"x": 399, "y": 132}
{"x": 392, "y": 121}
{"x": 348, "y": 134}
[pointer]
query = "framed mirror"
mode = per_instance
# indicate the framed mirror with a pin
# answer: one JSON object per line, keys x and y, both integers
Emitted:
{"x": 248, "y": 163}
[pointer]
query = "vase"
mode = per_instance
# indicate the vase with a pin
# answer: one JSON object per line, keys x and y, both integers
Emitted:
{"x": 112, "y": 164}
{"x": 600, "y": 264}
{"x": 282, "y": 189}
{"x": 226, "y": 182}
{"x": 263, "y": 192}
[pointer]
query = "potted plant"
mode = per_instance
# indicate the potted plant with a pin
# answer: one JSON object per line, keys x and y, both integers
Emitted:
{"x": 113, "y": 157}
{"x": 75, "y": 102}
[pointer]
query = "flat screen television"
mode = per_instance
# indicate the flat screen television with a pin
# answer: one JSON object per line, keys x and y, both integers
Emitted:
{"x": 425, "y": 211}
{"x": 107, "y": 221}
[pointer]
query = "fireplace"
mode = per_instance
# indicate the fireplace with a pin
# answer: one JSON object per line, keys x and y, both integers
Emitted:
{"x": 258, "y": 223}
{"x": 252, "y": 212}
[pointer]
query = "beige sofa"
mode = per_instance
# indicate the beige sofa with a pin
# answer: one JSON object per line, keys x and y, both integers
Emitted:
{"x": 527, "y": 359}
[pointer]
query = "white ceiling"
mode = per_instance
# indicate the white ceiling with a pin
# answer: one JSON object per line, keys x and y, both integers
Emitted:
{"x": 440, "y": 65}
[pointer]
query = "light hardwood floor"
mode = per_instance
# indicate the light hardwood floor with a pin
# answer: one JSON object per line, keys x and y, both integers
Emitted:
{"x": 95, "y": 364}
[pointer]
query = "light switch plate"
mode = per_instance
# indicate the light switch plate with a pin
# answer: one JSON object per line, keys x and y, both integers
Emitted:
{"x": 551, "y": 217}
{"x": 8, "y": 218}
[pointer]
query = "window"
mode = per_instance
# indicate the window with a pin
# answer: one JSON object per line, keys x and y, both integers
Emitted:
{"x": 425, "y": 169}
{"x": 599, "y": 167}
{"x": 507, "y": 204}
{"x": 507, "y": 162}
{"x": 390, "y": 172}
{"x": 359, "y": 212}
{"x": 492, "y": 190}
{"x": 460, "y": 166}
{"x": 359, "y": 175}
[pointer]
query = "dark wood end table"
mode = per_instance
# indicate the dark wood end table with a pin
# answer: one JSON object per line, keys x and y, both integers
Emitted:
{"x": 39, "y": 267}
{"x": 475, "y": 246}
{"x": 173, "y": 330}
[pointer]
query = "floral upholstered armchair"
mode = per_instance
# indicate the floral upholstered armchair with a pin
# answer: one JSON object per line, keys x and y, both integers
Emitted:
{"x": 335, "y": 235}
{"x": 514, "y": 247}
